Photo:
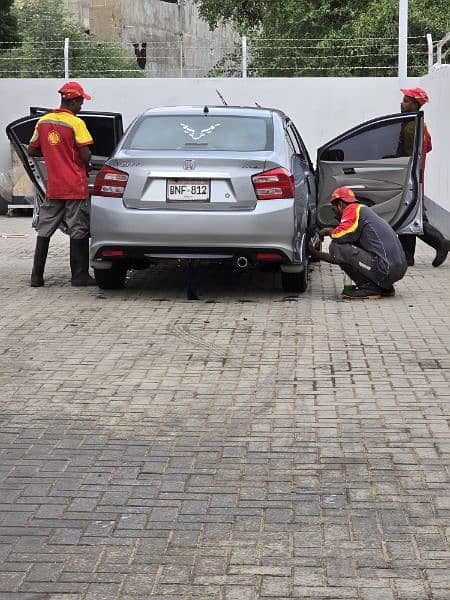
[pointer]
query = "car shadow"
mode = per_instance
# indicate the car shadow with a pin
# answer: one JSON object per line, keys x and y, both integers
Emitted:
{"x": 207, "y": 282}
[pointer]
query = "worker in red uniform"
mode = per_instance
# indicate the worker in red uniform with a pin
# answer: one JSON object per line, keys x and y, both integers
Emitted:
{"x": 413, "y": 101}
{"x": 364, "y": 246}
{"x": 63, "y": 140}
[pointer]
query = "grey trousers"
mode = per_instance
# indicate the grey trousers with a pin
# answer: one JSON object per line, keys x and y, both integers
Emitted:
{"x": 361, "y": 266}
{"x": 71, "y": 215}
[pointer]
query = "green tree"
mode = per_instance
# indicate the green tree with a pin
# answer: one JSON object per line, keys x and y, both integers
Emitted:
{"x": 8, "y": 25}
{"x": 328, "y": 37}
{"x": 44, "y": 25}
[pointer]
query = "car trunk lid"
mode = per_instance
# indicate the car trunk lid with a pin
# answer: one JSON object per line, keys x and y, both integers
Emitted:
{"x": 190, "y": 181}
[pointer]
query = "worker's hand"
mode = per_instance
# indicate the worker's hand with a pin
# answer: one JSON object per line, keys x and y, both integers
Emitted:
{"x": 325, "y": 231}
{"x": 312, "y": 249}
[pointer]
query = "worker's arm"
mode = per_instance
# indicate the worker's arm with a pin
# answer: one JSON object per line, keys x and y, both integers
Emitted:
{"x": 325, "y": 231}
{"x": 319, "y": 254}
{"x": 84, "y": 140}
{"x": 85, "y": 154}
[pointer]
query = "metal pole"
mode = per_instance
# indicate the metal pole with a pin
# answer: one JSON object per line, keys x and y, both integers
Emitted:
{"x": 181, "y": 30}
{"x": 430, "y": 52}
{"x": 403, "y": 40}
{"x": 181, "y": 54}
{"x": 66, "y": 58}
{"x": 244, "y": 56}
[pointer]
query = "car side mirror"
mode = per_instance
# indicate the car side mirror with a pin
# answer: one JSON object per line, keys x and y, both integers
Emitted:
{"x": 335, "y": 155}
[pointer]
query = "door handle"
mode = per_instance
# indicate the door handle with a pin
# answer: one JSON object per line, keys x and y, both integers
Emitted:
{"x": 349, "y": 171}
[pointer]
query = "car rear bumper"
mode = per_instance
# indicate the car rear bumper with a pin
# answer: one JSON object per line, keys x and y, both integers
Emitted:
{"x": 269, "y": 226}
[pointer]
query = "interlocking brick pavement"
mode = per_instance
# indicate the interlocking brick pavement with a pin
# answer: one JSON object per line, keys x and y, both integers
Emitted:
{"x": 247, "y": 445}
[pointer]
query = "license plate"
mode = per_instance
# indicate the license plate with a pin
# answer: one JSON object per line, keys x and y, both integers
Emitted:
{"x": 188, "y": 190}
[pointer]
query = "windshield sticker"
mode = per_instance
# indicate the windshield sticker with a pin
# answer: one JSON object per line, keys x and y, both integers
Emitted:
{"x": 193, "y": 134}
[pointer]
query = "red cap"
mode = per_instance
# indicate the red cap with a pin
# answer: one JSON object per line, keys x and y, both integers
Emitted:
{"x": 417, "y": 93}
{"x": 72, "y": 89}
{"x": 345, "y": 194}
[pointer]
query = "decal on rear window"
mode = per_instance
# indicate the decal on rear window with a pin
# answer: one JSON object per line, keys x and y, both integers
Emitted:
{"x": 192, "y": 132}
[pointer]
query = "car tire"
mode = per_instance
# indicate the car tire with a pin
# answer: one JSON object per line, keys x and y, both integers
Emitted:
{"x": 3, "y": 206}
{"x": 111, "y": 279}
{"x": 295, "y": 282}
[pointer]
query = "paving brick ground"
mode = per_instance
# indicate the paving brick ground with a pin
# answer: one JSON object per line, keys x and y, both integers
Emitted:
{"x": 247, "y": 445}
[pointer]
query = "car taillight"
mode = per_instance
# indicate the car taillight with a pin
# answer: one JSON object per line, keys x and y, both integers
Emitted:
{"x": 274, "y": 184}
{"x": 110, "y": 182}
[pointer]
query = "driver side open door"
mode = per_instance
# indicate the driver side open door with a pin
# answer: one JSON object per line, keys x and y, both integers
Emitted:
{"x": 380, "y": 160}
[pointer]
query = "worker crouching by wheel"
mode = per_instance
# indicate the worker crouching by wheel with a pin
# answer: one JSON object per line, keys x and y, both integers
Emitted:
{"x": 364, "y": 246}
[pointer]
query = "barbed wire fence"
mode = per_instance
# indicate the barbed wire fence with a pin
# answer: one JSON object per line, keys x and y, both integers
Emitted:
{"x": 251, "y": 57}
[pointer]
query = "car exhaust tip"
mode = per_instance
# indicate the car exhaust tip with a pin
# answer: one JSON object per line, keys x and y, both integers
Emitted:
{"x": 241, "y": 262}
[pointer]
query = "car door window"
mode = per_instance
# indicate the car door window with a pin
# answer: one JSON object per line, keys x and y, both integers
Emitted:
{"x": 383, "y": 141}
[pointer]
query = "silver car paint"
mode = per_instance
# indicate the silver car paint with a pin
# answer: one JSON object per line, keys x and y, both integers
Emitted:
{"x": 143, "y": 218}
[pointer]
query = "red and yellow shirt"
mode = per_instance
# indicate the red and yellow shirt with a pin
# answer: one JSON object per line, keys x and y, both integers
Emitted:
{"x": 360, "y": 226}
{"x": 349, "y": 221}
{"x": 59, "y": 134}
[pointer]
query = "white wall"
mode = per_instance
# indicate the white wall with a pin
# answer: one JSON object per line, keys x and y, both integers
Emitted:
{"x": 321, "y": 107}
{"x": 437, "y": 116}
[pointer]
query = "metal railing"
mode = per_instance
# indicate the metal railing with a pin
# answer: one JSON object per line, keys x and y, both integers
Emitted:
{"x": 247, "y": 57}
{"x": 437, "y": 49}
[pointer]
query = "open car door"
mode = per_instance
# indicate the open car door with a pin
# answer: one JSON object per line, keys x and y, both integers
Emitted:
{"x": 105, "y": 128}
{"x": 380, "y": 160}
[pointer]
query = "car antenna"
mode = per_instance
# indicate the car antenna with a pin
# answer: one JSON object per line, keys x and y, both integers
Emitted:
{"x": 205, "y": 110}
{"x": 224, "y": 102}
{"x": 258, "y": 104}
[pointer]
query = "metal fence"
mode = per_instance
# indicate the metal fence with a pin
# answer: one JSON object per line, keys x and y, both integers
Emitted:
{"x": 249, "y": 57}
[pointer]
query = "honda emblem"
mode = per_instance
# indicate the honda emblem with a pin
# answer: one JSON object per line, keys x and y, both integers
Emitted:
{"x": 189, "y": 165}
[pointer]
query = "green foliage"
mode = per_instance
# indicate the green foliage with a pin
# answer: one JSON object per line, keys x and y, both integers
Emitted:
{"x": 244, "y": 15}
{"x": 8, "y": 25}
{"x": 44, "y": 25}
{"x": 328, "y": 37}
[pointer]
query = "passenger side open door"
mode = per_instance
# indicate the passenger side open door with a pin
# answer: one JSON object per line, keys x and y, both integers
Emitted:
{"x": 380, "y": 160}
{"x": 106, "y": 130}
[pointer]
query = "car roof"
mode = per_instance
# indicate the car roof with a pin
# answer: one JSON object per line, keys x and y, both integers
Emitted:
{"x": 221, "y": 110}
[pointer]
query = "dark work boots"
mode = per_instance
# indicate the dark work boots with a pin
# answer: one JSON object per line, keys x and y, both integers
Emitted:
{"x": 40, "y": 256}
{"x": 79, "y": 263}
{"x": 430, "y": 236}
{"x": 408, "y": 243}
{"x": 436, "y": 240}
{"x": 368, "y": 291}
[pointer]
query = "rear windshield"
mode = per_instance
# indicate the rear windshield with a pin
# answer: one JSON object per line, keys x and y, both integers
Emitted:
{"x": 225, "y": 133}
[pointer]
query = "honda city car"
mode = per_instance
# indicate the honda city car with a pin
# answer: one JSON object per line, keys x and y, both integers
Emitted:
{"x": 234, "y": 184}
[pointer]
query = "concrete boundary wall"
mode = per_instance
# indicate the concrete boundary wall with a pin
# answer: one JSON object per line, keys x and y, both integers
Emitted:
{"x": 321, "y": 107}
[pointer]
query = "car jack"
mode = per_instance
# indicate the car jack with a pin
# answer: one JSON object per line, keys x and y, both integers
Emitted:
{"x": 190, "y": 282}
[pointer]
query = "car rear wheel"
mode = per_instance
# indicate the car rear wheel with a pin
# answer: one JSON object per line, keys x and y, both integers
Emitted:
{"x": 3, "y": 206}
{"x": 295, "y": 282}
{"x": 111, "y": 279}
